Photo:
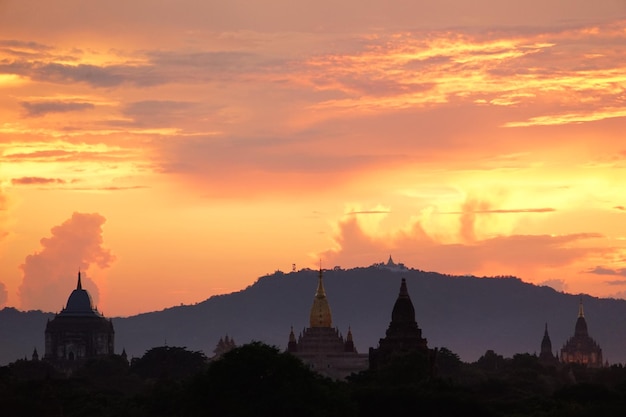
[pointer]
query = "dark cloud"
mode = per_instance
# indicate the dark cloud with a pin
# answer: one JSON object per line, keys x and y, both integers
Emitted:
{"x": 36, "y": 181}
{"x": 94, "y": 75}
{"x": 600, "y": 270}
{"x": 3, "y": 295}
{"x": 61, "y": 155}
{"x": 160, "y": 113}
{"x": 49, "y": 274}
{"x": 14, "y": 43}
{"x": 616, "y": 282}
{"x": 23, "y": 49}
{"x": 34, "y": 109}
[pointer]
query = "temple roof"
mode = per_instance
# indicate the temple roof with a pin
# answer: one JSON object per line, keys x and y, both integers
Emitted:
{"x": 320, "y": 310}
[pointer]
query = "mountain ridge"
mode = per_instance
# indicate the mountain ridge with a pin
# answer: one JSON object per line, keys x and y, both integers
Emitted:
{"x": 465, "y": 314}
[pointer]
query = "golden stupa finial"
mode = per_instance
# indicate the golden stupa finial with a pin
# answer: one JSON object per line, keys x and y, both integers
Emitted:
{"x": 320, "y": 310}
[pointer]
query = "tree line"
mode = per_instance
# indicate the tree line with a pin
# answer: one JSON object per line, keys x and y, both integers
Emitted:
{"x": 258, "y": 380}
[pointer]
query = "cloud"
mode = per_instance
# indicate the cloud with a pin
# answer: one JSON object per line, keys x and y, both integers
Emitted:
{"x": 514, "y": 254}
{"x": 557, "y": 284}
{"x": 616, "y": 282}
{"x": 159, "y": 113}
{"x": 3, "y": 295}
{"x": 600, "y": 270}
{"x": 35, "y": 109}
{"x": 621, "y": 208}
{"x": 36, "y": 181}
{"x": 49, "y": 274}
{"x": 618, "y": 295}
{"x": 91, "y": 74}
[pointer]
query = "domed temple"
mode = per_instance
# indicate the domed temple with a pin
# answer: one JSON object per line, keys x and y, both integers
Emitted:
{"x": 581, "y": 348}
{"x": 403, "y": 336}
{"x": 78, "y": 332}
{"x": 321, "y": 346}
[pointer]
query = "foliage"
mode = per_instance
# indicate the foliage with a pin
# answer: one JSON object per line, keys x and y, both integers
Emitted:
{"x": 257, "y": 379}
{"x": 169, "y": 362}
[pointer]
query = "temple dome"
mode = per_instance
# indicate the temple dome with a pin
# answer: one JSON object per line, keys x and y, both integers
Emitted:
{"x": 79, "y": 302}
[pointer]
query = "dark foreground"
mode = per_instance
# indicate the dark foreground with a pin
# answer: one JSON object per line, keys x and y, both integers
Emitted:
{"x": 258, "y": 380}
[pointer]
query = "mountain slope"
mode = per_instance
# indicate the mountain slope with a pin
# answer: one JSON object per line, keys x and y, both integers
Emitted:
{"x": 465, "y": 314}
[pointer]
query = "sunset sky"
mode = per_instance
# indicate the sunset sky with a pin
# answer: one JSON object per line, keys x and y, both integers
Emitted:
{"x": 173, "y": 150}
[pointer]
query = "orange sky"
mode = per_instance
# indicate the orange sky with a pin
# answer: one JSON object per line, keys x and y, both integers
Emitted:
{"x": 174, "y": 150}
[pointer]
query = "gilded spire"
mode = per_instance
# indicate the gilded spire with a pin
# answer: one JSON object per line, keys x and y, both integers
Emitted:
{"x": 581, "y": 312}
{"x": 320, "y": 311}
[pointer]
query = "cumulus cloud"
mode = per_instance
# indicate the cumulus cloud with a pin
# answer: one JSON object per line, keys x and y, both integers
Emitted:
{"x": 3, "y": 295}
{"x": 514, "y": 255}
{"x": 618, "y": 295}
{"x": 557, "y": 284}
{"x": 3, "y": 208}
{"x": 49, "y": 275}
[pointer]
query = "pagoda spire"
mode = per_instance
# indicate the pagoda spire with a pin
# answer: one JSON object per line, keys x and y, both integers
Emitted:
{"x": 320, "y": 310}
{"x": 320, "y": 286}
{"x": 581, "y": 312}
{"x": 79, "y": 285}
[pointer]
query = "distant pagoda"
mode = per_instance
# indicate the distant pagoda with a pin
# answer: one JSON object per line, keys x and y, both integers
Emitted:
{"x": 545, "y": 356}
{"x": 581, "y": 348}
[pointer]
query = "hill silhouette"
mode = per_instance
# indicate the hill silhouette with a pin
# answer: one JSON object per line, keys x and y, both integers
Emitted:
{"x": 465, "y": 314}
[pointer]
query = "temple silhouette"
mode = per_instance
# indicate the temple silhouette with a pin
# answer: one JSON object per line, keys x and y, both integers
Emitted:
{"x": 579, "y": 349}
{"x": 78, "y": 333}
